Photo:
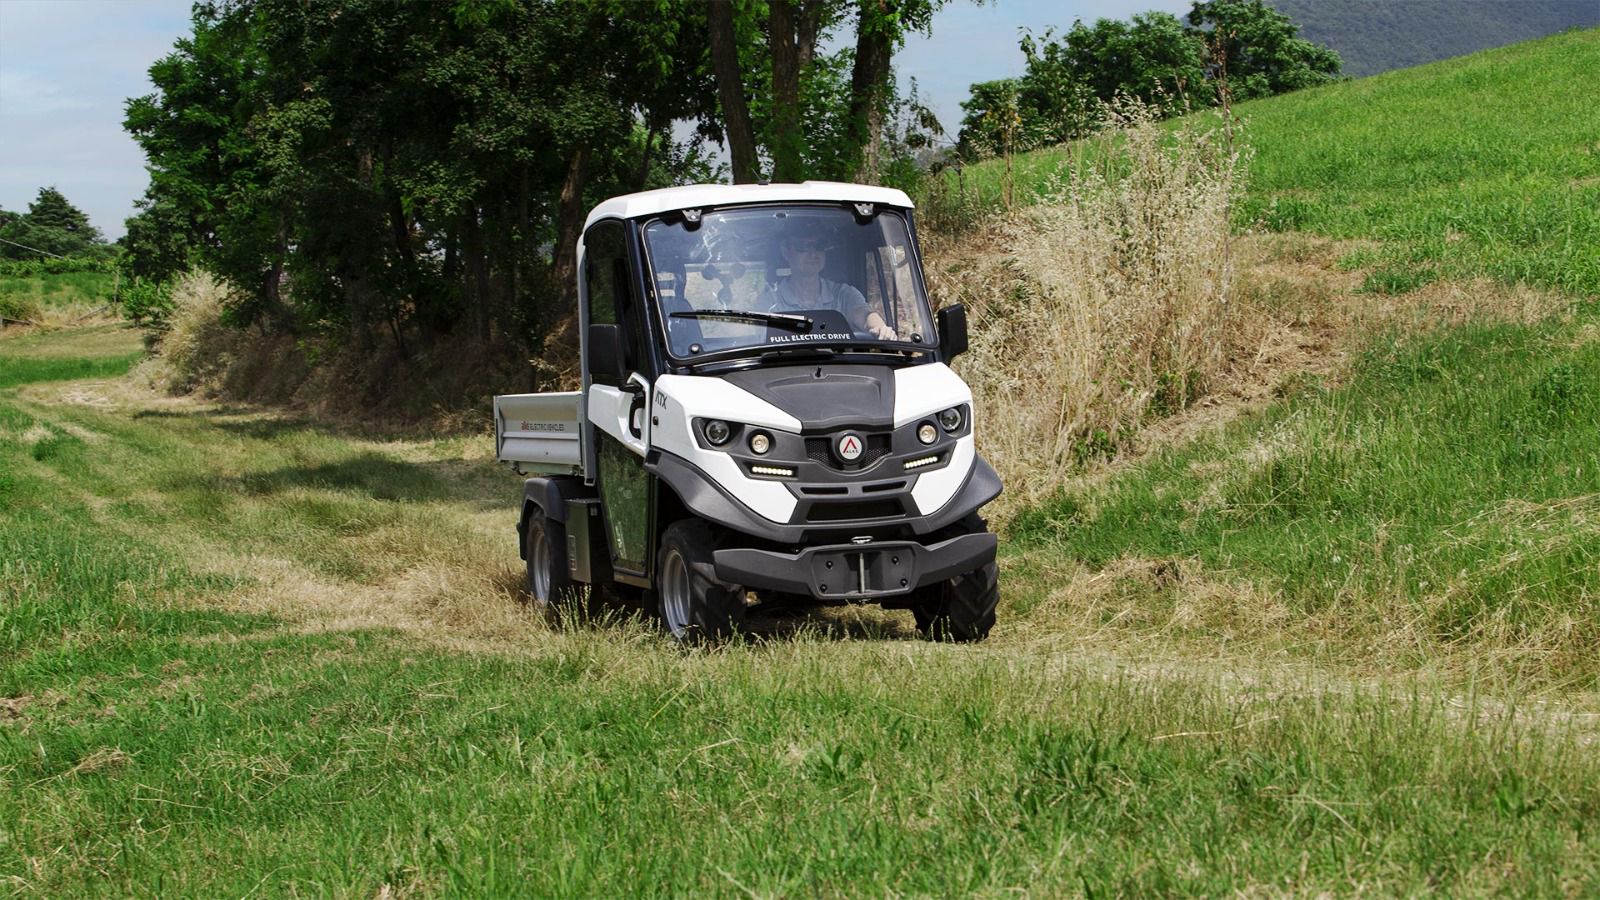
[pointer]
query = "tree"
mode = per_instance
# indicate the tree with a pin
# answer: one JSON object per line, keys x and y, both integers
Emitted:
{"x": 409, "y": 170}
{"x": 1264, "y": 53}
{"x": 1154, "y": 58}
{"x": 881, "y": 28}
{"x": 991, "y": 114}
{"x": 51, "y": 225}
{"x": 51, "y": 210}
{"x": 793, "y": 30}
{"x": 730, "y": 90}
{"x": 1151, "y": 57}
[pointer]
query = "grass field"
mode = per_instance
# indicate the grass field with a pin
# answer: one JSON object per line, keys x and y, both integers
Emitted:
{"x": 1341, "y": 644}
{"x": 1487, "y": 164}
{"x": 243, "y": 653}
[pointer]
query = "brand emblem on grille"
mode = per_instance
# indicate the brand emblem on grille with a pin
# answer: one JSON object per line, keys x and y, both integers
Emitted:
{"x": 850, "y": 447}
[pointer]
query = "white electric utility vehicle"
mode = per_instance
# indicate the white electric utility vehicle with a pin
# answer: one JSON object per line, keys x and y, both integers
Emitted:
{"x": 767, "y": 414}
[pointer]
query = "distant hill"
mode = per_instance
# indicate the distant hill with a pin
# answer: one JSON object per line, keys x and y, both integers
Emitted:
{"x": 1375, "y": 36}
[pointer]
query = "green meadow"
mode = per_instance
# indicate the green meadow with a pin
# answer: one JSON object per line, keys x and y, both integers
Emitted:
{"x": 1341, "y": 644}
{"x": 245, "y": 653}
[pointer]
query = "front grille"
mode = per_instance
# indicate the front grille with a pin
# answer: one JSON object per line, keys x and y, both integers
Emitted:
{"x": 854, "y": 509}
{"x": 820, "y": 450}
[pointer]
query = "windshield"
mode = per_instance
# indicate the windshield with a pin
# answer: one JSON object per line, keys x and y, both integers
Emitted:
{"x": 769, "y": 278}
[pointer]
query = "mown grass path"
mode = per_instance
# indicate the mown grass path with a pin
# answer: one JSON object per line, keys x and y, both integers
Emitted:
{"x": 245, "y": 654}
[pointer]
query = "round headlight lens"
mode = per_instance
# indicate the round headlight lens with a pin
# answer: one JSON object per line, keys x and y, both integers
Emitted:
{"x": 926, "y": 433}
{"x": 760, "y": 443}
{"x": 718, "y": 432}
{"x": 950, "y": 419}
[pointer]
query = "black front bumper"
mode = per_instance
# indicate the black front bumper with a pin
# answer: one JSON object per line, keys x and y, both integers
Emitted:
{"x": 867, "y": 571}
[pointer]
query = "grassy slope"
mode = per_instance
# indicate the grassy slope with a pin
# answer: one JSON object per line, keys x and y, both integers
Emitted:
{"x": 1486, "y": 164}
{"x": 25, "y": 296}
{"x": 1438, "y": 508}
{"x": 1442, "y": 504}
{"x": 163, "y": 735}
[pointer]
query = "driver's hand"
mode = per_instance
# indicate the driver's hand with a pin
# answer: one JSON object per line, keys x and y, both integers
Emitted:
{"x": 885, "y": 333}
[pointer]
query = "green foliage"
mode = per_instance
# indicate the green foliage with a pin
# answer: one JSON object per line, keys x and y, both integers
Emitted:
{"x": 48, "y": 291}
{"x": 29, "y": 268}
{"x": 52, "y": 225}
{"x": 1154, "y": 58}
{"x": 1373, "y": 36}
{"x": 361, "y": 166}
{"x": 1261, "y": 49}
{"x": 18, "y": 309}
{"x": 148, "y": 303}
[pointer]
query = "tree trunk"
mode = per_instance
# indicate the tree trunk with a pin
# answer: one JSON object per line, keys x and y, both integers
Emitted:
{"x": 477, "y": 273}
{"x": 520, "y": 245}
{"x": 569, "y": 226}
{"x": 730, "y": 90}
{"x": 786, "y": 139}
{"x": 807, "y": 27}
{"x": 653, "y": 125}
{"x": 869, "y": 83}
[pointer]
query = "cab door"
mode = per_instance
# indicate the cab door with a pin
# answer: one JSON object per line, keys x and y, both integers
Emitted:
{"x": 619, "y": 408}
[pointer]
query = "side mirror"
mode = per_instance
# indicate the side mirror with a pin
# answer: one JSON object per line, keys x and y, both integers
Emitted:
{"x": 605, "y": 353}
{"x": 952, "y": 331}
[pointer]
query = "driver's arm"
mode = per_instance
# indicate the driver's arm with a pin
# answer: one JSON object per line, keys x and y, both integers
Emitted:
{"x": 859, "y": 314}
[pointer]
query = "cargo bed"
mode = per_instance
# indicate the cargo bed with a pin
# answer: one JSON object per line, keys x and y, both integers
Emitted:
{"x": 540, "y": 432}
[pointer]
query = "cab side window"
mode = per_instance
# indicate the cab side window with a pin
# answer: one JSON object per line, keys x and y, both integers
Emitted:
{"x": 610, "y": 295}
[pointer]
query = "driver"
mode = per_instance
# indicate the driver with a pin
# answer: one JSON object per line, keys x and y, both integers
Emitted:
{"x": 806, "y": 253}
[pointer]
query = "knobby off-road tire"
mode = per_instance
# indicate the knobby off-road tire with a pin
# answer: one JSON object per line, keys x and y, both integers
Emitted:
{"x": 695, "y": 606}
{"x": 963, "y": 608}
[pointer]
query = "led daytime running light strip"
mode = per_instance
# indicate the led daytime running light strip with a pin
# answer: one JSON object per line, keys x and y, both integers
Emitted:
{"x": 919, "y": 463}
{"x": 772, "y": 470}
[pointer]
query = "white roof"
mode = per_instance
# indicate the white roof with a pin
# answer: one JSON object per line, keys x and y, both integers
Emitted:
{"x": 699, "y": 196}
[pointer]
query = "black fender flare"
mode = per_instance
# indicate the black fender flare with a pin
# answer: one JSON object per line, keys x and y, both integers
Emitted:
{"x": 549, "y": 495}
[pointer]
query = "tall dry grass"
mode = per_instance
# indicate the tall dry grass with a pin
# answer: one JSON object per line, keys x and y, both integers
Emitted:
{"x": 1110, "y": 302}
{"x": 197, "y": 347}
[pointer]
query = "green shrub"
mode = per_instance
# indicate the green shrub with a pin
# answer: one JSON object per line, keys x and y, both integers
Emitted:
{"x": 148, "y": 303}
{"x": 29, "y": 268}
{"x": 22, "y": 309}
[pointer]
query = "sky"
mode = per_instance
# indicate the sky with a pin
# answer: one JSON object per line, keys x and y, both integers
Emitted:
{"x": 68, "y": 66}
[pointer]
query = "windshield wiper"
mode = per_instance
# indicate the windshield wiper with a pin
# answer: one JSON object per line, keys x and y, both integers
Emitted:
{"x": 786, "y": 320}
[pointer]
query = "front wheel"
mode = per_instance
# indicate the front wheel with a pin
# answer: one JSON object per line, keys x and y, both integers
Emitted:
{"x": 695, "y": 606}
{"x": 961, "y": 609}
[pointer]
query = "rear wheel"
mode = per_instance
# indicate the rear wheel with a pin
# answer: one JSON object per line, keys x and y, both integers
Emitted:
{"x": 550, "y": 587}
{"x": 695, "y": 606}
